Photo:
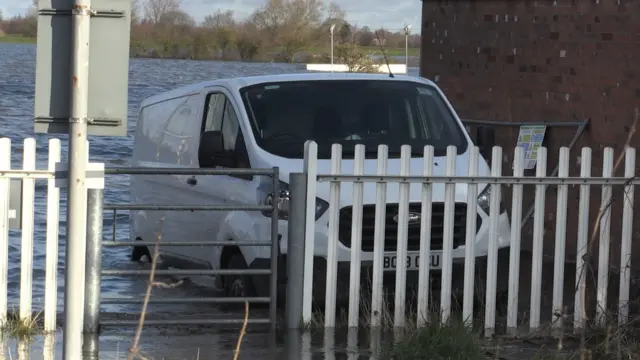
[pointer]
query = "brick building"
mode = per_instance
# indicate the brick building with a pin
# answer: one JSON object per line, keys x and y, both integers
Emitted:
{"x": 543, "y": 61}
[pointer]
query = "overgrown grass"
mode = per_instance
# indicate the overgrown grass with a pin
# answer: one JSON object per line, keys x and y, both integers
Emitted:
{"x": 455, "y": 340}
{"x": 435, "y": 341}
{"x": 23, "y": 329}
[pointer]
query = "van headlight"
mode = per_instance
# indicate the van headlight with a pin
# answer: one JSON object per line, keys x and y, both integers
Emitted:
{"x": 484, "y": 200}
{"x": 283, "y": 203}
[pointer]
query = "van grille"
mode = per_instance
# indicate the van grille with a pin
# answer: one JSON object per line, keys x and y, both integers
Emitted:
{"x": 391, "y": 226}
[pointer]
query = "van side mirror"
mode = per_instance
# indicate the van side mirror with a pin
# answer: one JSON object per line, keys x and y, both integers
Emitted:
{"x": 211, "y": 151}
{"x": 486, "y": 138}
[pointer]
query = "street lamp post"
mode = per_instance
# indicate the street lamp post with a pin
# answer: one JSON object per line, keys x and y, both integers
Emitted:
{"x": 407, "y": 31}
{"x": 333, "y": 26}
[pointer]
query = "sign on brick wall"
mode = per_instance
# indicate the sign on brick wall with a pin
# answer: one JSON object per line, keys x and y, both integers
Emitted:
{"x": 530, "y": 139}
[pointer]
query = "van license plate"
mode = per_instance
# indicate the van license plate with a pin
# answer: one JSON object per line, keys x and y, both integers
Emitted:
{"x": 412, "y": 262}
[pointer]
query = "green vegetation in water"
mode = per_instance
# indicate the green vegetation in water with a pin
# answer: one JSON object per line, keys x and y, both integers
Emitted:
{"x": 22, "y": 329}
{"x": 17, "y": 39}
{"x": 456, "y": 341}
{"x": 435, "y": 341}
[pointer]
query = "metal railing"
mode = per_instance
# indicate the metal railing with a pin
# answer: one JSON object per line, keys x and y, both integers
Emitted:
{"x": 443, "y": 187}
{"x": 95, "y": 244}
{"x": 19, "y": 211}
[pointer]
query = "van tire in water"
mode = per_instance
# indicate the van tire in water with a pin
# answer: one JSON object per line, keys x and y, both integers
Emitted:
{"x": 138, "y": 252}
{"x": 237, "y": 285}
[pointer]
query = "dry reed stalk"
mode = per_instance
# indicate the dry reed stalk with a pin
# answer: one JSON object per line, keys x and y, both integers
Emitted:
{"x": 134, "y": 351}
{"x": 242, "y": 331}
{"x": 594, "y": 233}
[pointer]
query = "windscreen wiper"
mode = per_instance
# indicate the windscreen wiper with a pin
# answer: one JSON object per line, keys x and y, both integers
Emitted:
{"x": 374, "y": 153}
{"x": 399, "y": 153}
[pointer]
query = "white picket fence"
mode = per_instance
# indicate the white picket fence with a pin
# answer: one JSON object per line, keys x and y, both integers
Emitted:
{"x": 29, "y": 174}
{"x": 541, "y": 181}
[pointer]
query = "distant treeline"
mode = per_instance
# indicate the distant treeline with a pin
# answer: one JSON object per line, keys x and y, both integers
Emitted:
{"x": 280, "y": 30}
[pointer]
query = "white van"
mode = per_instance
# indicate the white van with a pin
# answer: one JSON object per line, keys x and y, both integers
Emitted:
{"x": 263, "y": 122}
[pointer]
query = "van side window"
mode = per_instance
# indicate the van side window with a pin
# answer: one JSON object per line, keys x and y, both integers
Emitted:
{"x": 221, "y": 116}
{"x": 214, "y": 112}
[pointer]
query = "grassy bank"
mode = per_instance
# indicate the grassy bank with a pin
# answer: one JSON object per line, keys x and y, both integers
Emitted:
{"x": 17, "y": 39}
{"x": 312, "y": 51}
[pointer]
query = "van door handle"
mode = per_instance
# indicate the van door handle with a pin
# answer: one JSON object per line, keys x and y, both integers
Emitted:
{"x": 192, "y": 181}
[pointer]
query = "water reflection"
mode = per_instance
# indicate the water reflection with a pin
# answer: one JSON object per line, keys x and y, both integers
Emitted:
{"x": 3, "y": 347}
{"x": 293, "y": 344}
{"x": 329, "y": 345}
{"x": 49, "y": 348}
{"x": 305, "y": 346}
{"x": 90, "y": 346}
{"x": 23, "y": 349}
{"x": 352, "y": 344}
{"x": 375, "y": 339}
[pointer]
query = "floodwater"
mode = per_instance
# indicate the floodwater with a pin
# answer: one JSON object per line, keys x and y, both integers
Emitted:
{"x": 148, "y": 77}
{"x": 293, "y": 345}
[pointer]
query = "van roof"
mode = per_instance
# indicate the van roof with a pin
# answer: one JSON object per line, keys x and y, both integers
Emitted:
{"x": 236, "y": 83}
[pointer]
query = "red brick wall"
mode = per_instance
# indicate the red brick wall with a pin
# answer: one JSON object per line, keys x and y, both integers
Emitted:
{"x": 542, "y": 61}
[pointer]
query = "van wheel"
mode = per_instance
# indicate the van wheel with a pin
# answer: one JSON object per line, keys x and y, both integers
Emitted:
{"x": 138, "y": 252}
{"x": 237, "y": 285}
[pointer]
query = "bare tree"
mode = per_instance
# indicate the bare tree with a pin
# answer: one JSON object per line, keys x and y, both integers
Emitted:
{"x": 335, "y": 17}
{"x": 32, "y": 11}
{"x": 220, "y": 19}
{"x": 334, "y": 11}
{"x": 366, "y": 37}
{"x": 290, "y": 23}
{"x": 154, "y": 10}
{"x": 222, "y": 27}
{"x": 249, "y": 42}
{"x": 135, "y": 11}
{"x": 381, "y": 37}
{"x": 177, "y": 18}
{"x": 345, "y": 33}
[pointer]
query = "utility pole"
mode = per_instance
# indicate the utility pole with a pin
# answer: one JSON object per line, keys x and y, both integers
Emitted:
{"x": 333, "y": 27}
{"x": 77, "y": 193}
{"x": 407, "y": 31}
{"x": 66, "y": 102}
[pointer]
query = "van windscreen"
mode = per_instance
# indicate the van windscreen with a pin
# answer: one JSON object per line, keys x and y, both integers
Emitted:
{"x": 370, "y": 112}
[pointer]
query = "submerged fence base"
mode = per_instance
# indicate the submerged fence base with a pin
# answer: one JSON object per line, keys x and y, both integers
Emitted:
{"x": 95, "y": 201}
